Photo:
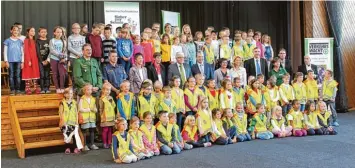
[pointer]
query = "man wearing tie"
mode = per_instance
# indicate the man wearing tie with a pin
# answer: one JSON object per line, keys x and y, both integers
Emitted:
{"x": 202, "y": 68}
{"x": 179, "y": 69}
{"x": 285, "y": 63}
{"x": 256, "y": 65}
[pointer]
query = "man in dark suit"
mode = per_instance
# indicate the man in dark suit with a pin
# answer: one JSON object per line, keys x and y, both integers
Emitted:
{"x": 256, "y": 65}
{"x": 202, "y": 68}
{"x": 156, "y": 71}
{"x": 308, "y": 66}
{"x": 285, "y": 63}
{"x": 179, "y": 69}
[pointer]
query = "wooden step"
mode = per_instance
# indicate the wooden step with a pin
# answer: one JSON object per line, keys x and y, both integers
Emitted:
{"x": 37, "y": 107}
{"x": 44, "y": 144}
{"x": 40, "y": 131}
{"x": 39, "y": 119}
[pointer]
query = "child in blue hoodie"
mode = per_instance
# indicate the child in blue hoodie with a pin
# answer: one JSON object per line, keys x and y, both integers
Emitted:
{"x": 125, "y": 49}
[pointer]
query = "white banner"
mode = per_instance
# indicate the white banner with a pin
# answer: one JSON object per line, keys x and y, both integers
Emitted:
{"x": 118, "y": 13}
{"x": 320, "y": 50}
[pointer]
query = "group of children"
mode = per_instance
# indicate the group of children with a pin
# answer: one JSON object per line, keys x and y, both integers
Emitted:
{"x": 31, "y": 58}
{"x": 169, "y": 119}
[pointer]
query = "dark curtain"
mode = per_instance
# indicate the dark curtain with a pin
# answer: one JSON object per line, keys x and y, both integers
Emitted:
{"x": 267, "y": 17}
{"x": 335, "y": 20}
{"x": 49, "y": 14}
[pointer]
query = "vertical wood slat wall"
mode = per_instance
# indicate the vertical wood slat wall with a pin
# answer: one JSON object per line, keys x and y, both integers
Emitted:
{"x": 316, "y": 25}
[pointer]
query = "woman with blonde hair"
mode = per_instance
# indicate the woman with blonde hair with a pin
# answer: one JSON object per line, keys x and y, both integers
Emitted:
{"x": 238, "y": 70}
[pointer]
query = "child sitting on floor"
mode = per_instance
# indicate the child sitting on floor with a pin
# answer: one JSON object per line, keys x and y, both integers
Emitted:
{"x": 190, "y": 133}
{"x": 137, "y": 141}
{"x": 296, "y": 120}
{"x": 149, "y": 133}
{"x": 277, "y": 125}
{"x": 241, "y": 121}
{"x": 258, "y": 124}
{"x": 176, "y": 129}
{"x": 166, "y": 136}
{"x": 121, "y": 146}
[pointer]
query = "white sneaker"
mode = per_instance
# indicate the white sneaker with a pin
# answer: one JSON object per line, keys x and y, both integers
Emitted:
{"x": 86, "y": 148}
{"x": 94, "y": 147}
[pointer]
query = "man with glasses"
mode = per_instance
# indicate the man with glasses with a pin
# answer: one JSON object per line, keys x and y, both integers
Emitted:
{"x": 179, "y": 69}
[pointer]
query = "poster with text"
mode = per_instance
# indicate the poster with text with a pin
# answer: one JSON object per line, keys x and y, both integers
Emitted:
{"x": 118, "y": 13}
{"x": 320, "y": 50}
{"x": 171, "y": 17}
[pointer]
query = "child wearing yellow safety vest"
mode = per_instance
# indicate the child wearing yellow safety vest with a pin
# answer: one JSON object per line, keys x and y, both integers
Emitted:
{"x": 212, "y": 94}
{"x": 137, "y": 141}
{"x": 226, "y": 96}
{"x": 311, "y": 86}
{"x": 287, "y": 94}
{"x": 324, "y": 119}
{"x": 190, "y": 133}
{"x": 272, "y": 96}
{"x": 238, "y": 91}
{"x": 158, "y": 93}
{"x": 241, "y": 121}
{"x": 330, "y": 89}
{"x": 258, "y": 124}
{"x": 255, "y": 96}
{"x": 295, "y": 119}
{"x": 167, "y": 104}
{"x": 122, "y": 151}
{"x": 219, "y": 136}
{"x": 107, "y": 115}
{"x": 177, "y": 95}
{"x": 238, "y": 49}
{"x": 68, "y": 113}
{"x": 225, "y": 50}
{"x": 166, "y": 135}
{"x": 87, "y": 116}
{"x": 179, "y": 141}
{"x": 311, "y": 119}
{"x": 126, "y": 102}
{"x": 191, "y": 96}
{"x": 208, "y": 51}
{"x": 300, "y": 90}
{"x": 248, "y": 48}
{"x": 229, "y": 125}
{"x": 149, "y": 133}
{"x": 278, "y": 124}
{"x": 204, "y": 120}
{"x": 146, "y": 100}
{"x": 200, "y": 81}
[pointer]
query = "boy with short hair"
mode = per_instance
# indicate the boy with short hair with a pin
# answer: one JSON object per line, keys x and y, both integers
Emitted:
{"x": 165, "y": 135}
{"x": 95, "y": 40}
{"x": 126, "y": 102}
{"x": 311, "y": 86}
{"x": 108, "y": 44}
{"x": 330, "y": 89}
{"x": 286, "y": 93}
{"x": 167, "y": 104}
{"x": 238, "y": 91}
{"x": 146, "y": 101}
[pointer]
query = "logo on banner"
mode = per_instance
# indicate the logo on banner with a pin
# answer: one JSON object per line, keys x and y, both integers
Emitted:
{"x": 318, "y": 48}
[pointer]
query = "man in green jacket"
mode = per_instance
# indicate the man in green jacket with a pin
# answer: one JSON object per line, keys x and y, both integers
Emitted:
{"x": 87, "y": 70}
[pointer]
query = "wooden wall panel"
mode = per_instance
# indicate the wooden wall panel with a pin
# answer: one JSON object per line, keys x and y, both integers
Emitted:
{"x": 315, "y": 22}
{"x": 7, "y": 137}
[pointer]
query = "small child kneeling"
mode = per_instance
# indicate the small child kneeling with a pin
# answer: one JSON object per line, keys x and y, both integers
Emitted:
{"x": 121, "y": 147}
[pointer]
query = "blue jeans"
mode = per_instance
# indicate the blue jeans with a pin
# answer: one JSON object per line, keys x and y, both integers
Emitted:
{"x": 126, "y": 65}
{"x": 166, "y": 150}
{"x": 285, "y": 109}
{"x": 302, "y": 108}
{"x": 265, "y": 135}
{"x": 331, "y": 105}
{"x": 14, "y": 75}
{"x": 243, "y": 137}
{"x": 232, "y": 132}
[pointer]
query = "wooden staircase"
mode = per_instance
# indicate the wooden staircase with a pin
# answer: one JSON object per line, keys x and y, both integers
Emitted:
{"x": 34, "y": 121}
